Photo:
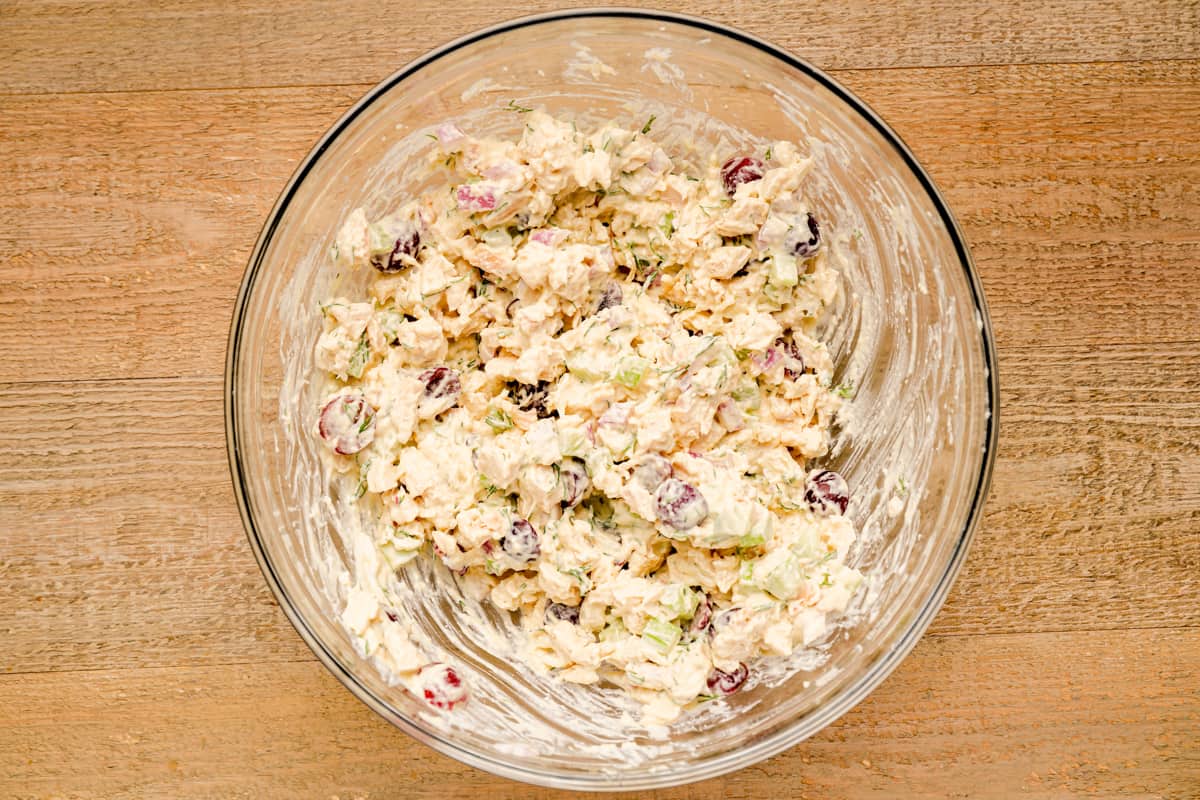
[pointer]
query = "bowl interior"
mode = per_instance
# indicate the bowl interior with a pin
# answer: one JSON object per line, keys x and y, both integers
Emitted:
{"x": 910, "y": 334}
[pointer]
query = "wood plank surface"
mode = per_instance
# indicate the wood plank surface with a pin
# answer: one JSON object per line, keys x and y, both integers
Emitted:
{"x": 1091, "y": 524}
{"x": 1050, "y": 715}
{"x": 118, "y": 45}
{"x": 132, "y": 215}
{"x": 142, "y": 144}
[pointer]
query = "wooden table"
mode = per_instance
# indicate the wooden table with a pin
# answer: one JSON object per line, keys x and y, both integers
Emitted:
{"x": 141, "y": 146}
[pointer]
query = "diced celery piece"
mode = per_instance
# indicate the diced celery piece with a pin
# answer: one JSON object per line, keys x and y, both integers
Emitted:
{"x": 661, "y": 634}
{"x": 498, "y": 420}
{"x": 497, "y": 237}
{"x": 753, "y": 539}
{"x": 809, "y": 547}
{"x": 358, "y": 361}
{"x": 613, "y": 631}
{"x": 762, "y": 528}
{"x": 782, "y": 271}
{"x": 577, "y": 365}
{"x": 746, "y": 572}
{"x": 730, "y": 525}
{"x": 400, "y": 549}
{"x": 379, "y": 239}
{"x": 679, "y": 601}
{"x": 785, "y": 580}
{"x": 630, "y": 371}
{"x": 571, "y": 441}
{"x": 389, "y": 323}
{"x": 749, "y": 395}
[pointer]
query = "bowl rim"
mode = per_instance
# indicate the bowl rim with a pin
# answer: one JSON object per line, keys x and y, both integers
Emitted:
{"x": 786, "y": 736}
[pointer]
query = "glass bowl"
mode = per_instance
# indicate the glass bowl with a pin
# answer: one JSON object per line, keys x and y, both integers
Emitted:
{"x": 910, "y": 334}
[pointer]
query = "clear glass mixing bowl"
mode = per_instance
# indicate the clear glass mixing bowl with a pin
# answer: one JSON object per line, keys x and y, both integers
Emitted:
{"x": 911, "y": 334}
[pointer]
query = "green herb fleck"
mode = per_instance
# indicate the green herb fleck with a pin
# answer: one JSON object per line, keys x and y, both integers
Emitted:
{"x": 768, "y": 156}
{"x": 579, "y": 574}
{"x": 844, "y": 390}
{"x": 498, "y": 420}
{"x": 358, "y": 361}
{"x": 649, "y": 122}
{"x": 519, "y": 109}
{"x": 668, "y": 224}
{"x": 488, "y": 486}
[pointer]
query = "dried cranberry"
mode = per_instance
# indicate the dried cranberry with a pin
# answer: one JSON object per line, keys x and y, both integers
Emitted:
{"x": 441, "y": 686}
{"x": 801, "y": 244}
{"x": 739, "y": 170}
{"x": 680, "y": 505}
{"x": 575, "y": 481}
{"x": 441, "y": 382}
{"x": 408, "y": 243}
{"x": 826, "y": 492}
{"x": 611, "y": 296}
{"x": 562, "y": 611}
{"x": 723, "y": 682}
{"x": 793, "y": 362}
{"x": 442, "y": 389}
{"x": 521, "y": 543}
{"x": 531, "y": 397}
{"x": 475, "y": 198}
{"x": 347, "y": 423}
{"x": 702, "y": 617}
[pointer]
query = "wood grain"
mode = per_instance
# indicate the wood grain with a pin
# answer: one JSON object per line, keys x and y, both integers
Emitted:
{"x": 129, "y": 551}
{"x": 142, "y": 144}
{"x": 116, "y": 45}
{"x": 1033, "y": 715}
{"x": 127, "y": 232}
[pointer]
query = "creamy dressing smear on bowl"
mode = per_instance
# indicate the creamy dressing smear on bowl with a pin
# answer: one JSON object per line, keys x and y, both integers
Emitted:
{"x": 585, "y": 377}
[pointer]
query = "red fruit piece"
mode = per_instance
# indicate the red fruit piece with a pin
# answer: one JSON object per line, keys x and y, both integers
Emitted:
{"x": 442, "y": 389}
{"x": 611, "y": 296}
{"x": 722, "y": 682}
{"x": 826, "y": 492}
{"x": 702, "y": 618}
{"x": 408, "y": 243}
{"x": 474, "y": 198}
{"x": 531, "y": 396}
{"x": 793, "y": 362}
{"x": 521, "y": 543}
{"x": 441, "y": 686}
{"x": 347, "y": 423}
{"x": 739, "y": 170}
{"x": 561, "y": 611}
{"x": 575, "y": 481}
{"x": 680, "y": 505}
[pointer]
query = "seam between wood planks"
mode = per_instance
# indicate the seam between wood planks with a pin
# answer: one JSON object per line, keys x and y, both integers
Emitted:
{"x": 834, "y": 71}
{"x": 17, "y": 672}
{"x": 208, "y": 376}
